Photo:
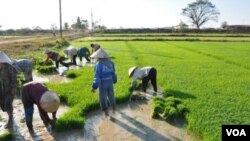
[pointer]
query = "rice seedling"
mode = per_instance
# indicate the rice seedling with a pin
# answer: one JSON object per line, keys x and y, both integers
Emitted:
{"x": 208, "y": 80}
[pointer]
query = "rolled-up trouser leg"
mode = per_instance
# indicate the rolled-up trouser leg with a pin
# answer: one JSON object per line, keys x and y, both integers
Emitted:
{"x": 103, "y": 98}
{"x": 111, "y": 96}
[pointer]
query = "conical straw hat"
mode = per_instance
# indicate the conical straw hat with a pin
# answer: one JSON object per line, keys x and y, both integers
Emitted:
{"x": 49, "y": 102}
{"x": 4, "y": 58}
{"x": 100, "y": 53}
{"x": 131, "y": 71}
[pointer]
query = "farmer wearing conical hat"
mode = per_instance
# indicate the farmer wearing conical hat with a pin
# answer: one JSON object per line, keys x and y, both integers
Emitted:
{"x": 104, "y": 79}
{"x": 55, "y": 57}
{"x": 46, "y": 101}
{"x": 25, "y": 66}
{"x": 145, "y": 74}
{"x": 72, "y": 53}
{"x": 8, "y": 85}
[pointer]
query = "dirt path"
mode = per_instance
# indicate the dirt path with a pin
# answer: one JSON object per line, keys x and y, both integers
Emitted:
{"x": 31, "y": 38}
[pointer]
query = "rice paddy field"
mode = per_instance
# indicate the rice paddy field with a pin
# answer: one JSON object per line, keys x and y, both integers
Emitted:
{"x": 211, "y": 78}
{"x": 209, "y": 73}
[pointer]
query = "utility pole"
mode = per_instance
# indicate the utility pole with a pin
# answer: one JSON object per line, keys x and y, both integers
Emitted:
{"x": 92, "y": 22}
{"x": 60, "y": 12}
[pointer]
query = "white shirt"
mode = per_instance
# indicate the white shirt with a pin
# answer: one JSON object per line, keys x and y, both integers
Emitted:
{"x": 139, "y": 74}
{"x": 70, "y": 51}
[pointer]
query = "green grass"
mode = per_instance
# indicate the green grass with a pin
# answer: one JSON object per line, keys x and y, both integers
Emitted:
{"x": 211, "y": 78}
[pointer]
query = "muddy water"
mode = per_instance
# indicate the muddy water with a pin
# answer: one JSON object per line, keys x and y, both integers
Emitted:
{"x": 131, "y": 121}
{"x": 59, "y": 77}
{"x": 19, "y": 128}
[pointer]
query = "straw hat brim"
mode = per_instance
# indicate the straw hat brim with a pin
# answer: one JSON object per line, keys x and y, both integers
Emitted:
{"x": 100, "y": 54}
{"x": 49, "y": 102}
{"x": 131, "y": 71}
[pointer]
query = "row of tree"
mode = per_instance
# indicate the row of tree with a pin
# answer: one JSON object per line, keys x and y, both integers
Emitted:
{"x": 198, "y": 13}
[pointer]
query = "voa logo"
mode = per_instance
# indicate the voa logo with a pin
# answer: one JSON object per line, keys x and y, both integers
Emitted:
{"x": 236, "y": 132}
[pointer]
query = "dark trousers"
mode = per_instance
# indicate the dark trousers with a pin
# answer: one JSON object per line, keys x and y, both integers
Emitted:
{"x": 86, "y": 57}
{"x": 74, "y": 59}
{"x": 152, "y": 77}
{"x": 62, "y": 63}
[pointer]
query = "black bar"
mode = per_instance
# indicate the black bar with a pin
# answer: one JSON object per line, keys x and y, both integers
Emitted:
{"x": 235, "y": 132}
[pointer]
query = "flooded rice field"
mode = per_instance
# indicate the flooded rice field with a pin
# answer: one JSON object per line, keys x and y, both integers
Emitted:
{"x": 132, "y": 121}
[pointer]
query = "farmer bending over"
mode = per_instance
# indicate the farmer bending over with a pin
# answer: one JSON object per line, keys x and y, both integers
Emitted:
{"x": 24, "y": 66}
{"x": 55, "y": 57}
{"x": 72, "y": 53}
{"x": 46, "y": 101}
{"x": 145, "y": 74}
{"x": 84, "y": 52}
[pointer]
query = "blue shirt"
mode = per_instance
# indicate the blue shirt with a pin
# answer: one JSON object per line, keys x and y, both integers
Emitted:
{"x": 104, "y": 70}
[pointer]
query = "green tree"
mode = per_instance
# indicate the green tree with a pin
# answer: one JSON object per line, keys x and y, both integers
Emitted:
{"x": 200, "y": 12}
{"x": 182, "y": 26}
{"x": 80, "y": 24}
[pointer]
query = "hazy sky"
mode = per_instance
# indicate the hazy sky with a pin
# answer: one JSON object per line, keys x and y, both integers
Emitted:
{"x": 113, "y": 13}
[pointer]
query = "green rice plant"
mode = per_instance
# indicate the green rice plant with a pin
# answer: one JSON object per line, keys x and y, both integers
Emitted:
{"x": 6, "y": 136}
{"x": 181, "y": 108}
{"x": 169, "y": 108}
{"x": 170, "y": 113}
{"x": 39, "y": 62}
{"x": 46, "y": 69}
{"x": 77, "y": 94}
{"x": 70, "y": 120}
{"x": 158, "y": 107}
{"x": 208, "y": 79}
